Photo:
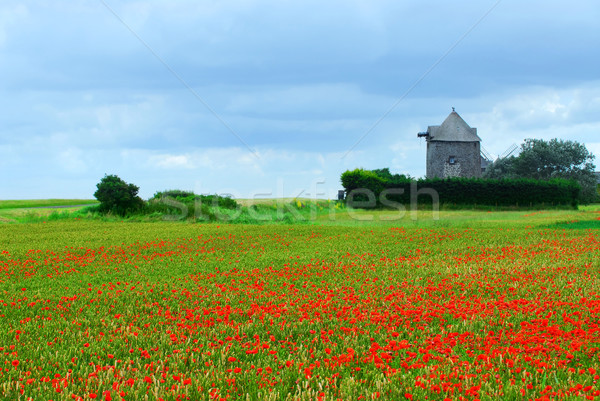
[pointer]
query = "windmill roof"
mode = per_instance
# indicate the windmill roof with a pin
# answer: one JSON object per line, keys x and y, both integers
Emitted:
{"x": 453, "y": 129}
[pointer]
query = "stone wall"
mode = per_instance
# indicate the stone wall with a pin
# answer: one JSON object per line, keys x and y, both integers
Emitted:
{"x": 453, "y": 159}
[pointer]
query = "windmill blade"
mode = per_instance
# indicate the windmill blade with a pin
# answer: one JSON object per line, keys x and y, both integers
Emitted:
{"x": 512, "y": 150}
{"x": 485, "y": 154}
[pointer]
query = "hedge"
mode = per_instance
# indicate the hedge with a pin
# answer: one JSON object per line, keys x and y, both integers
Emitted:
{"x": 385, "y": 189}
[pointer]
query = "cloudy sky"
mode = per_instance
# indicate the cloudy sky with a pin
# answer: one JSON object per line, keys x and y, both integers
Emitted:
{"x": 278, "y": 98}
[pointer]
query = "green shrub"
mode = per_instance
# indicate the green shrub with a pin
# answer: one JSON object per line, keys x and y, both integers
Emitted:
{"x": 117, "y": 197}
{"x": 355, "y": 181}
{"x": 188, "y": 198}
{"x": 173, "y": 193}
{"x": 182, "y": 205}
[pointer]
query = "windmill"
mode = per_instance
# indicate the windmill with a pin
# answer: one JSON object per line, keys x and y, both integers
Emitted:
{"x": 512, "y": 150}
{"x": 487, "y": 158}
{"x": 486, "y": 155}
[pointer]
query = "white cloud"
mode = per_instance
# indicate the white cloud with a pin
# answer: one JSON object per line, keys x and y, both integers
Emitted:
{"x": 171, "y": 161}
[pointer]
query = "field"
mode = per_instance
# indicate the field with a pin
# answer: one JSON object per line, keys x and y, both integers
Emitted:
{"x": 13, "y": 204}
{"x": 33, "y": 209}
{"x": 475, "y": 305}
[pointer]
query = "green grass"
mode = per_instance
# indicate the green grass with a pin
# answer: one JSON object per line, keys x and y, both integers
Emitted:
{"x": 25, "y": 203}
{"x": 42, "y": 213}
{"x": 578, "y": 225}
{"x": 477, "y": 218}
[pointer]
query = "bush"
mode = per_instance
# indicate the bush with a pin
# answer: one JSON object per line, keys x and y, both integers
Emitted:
{"x": 173, "y": 193}
{"x": 189, "y": 198}
{"x": 358, "y": 179}
{"x": 176, "y": 204}
{"x": 118, "y": 197}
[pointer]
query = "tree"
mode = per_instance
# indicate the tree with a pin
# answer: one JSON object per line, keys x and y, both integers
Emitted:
{"x": 544, "y": 160}
{"x": 501, "y": 168}
{"x": 117, "y": 196}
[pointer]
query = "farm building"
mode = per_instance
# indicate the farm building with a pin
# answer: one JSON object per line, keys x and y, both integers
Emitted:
{"x": 453, "y": 149}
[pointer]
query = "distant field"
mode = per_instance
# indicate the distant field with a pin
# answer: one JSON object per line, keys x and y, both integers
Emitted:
{"x": 17, "y": 204}
{"x": 322, "y": 214}
{"x": 586, "y": 217}
{"x": 269, "y": 201}
{"x": 12, "y": 211}
{"x": 305, "y": 211}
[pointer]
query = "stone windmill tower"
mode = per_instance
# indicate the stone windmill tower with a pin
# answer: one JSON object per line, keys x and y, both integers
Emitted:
{"x": 453, "y": 149}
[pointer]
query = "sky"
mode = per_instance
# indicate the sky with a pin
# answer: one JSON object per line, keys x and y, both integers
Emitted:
{"x": 263, "y": 99}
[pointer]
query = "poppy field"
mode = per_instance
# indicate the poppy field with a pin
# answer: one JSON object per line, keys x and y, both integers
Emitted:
{"x": 175, "y": 311}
